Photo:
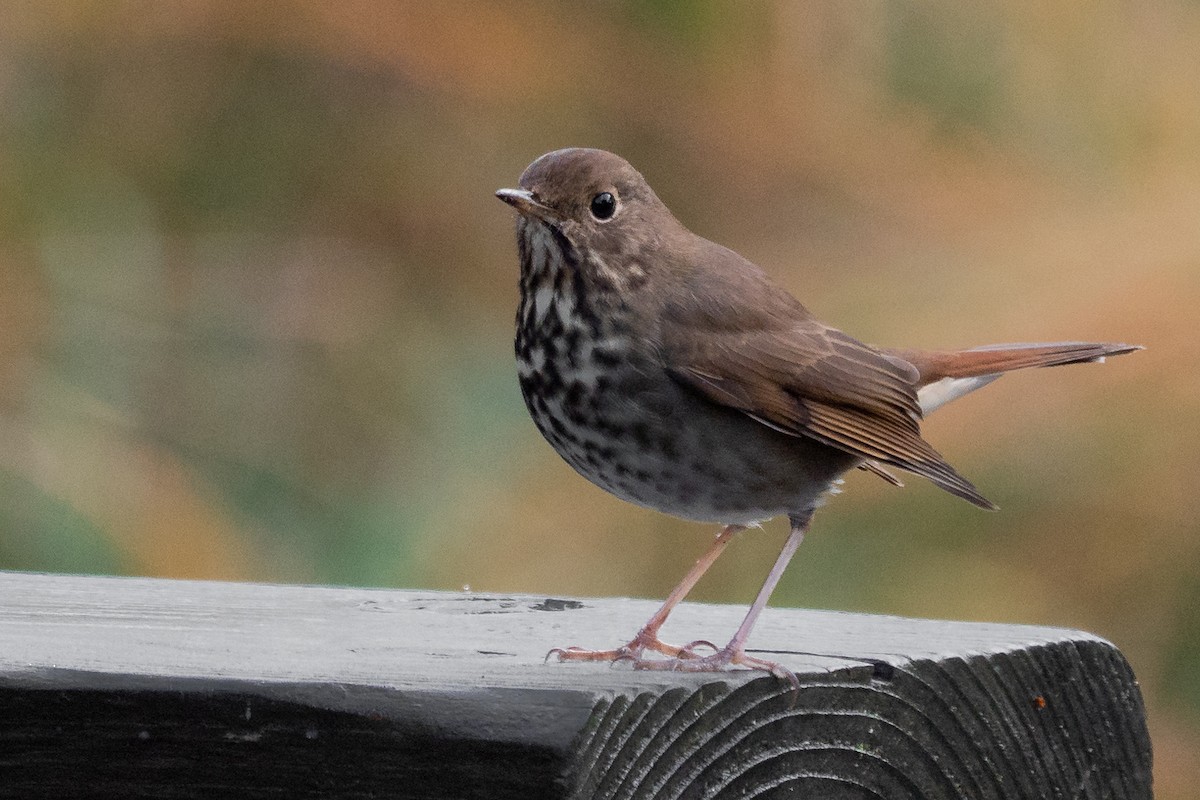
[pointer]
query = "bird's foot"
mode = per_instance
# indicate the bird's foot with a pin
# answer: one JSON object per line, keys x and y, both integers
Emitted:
{"x": 633, "y": 651}
{"x": 723, "y": 659}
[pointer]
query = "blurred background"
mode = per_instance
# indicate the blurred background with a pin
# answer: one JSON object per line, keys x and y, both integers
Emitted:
{"x": 256, "y": 296}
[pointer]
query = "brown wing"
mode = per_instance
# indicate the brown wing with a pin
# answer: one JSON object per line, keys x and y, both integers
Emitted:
{"x": 807, "y": 379}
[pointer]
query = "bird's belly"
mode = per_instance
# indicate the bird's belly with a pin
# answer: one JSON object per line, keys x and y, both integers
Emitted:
{"x": 650, "y": 441}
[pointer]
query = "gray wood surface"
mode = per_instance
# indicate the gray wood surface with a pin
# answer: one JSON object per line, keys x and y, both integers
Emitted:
{"x": 151, "y": 688}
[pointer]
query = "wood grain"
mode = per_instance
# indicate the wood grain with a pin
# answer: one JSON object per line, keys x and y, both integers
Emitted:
{"x": 150, "y": 688}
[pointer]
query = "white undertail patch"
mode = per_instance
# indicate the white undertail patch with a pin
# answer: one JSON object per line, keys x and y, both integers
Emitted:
{"x": 938, "y": 393}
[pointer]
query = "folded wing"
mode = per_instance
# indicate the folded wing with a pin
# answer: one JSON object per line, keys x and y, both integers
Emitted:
{"x": 807, "y": 379}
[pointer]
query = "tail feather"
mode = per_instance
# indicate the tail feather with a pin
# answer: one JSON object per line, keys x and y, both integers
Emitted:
{"x": 994, "y": 358}
{"x": 946, "y": 375}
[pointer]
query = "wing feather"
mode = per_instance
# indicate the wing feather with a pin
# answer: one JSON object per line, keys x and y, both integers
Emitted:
{"x": 817, "y": 382}
{"x": 744, "y": 343}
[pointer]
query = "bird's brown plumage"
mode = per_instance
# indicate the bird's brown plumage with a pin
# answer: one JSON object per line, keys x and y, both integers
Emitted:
{"x": 723, "y": 329}
{"x": 777, "y": 364}
{"x": 672, "y": 372}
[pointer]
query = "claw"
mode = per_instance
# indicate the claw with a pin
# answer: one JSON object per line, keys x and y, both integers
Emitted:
{"x": 689, "y": 649}
{"x": 719, "y": 661}
{"x": 629, "y": 652}
{"x": 580, "y": 654}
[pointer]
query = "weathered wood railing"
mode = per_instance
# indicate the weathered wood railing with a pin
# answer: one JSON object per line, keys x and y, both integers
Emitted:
{"x": 150, "y": 688}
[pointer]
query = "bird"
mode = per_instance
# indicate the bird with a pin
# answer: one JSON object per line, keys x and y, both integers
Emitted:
{"x": 675, "y": 374}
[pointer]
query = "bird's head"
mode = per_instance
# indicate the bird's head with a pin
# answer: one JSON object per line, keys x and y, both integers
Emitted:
{"x": 593, "y": 199}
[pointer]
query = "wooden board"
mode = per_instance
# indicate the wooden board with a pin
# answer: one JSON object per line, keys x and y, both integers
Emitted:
{"x": 151, "y": 688}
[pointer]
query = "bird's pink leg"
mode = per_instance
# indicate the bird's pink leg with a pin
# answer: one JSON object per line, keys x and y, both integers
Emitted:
{"x": 647, "y": 637}
{"x": 734, "y": 653}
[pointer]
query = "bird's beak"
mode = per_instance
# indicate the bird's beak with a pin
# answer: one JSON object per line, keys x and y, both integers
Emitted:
{"x": 522, "y": 200}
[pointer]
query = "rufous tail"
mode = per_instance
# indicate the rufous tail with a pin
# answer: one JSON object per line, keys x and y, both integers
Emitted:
{"x": 946, "y": 375}
{"x": 995, "y": 358}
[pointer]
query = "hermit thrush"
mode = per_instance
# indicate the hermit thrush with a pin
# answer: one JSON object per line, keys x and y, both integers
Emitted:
{"x": 671, "y": 372}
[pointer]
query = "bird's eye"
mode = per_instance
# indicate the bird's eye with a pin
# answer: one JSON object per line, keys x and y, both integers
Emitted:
{"x": 604, "y": 205}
